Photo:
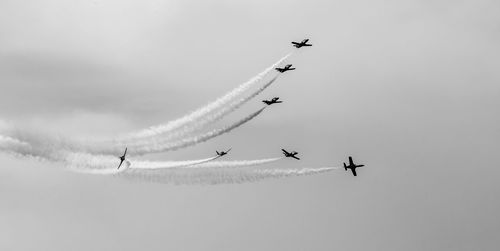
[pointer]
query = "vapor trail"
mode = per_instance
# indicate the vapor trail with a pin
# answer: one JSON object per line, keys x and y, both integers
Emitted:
{"x": 237, "y": 163}
{"x": 203, "y": 111}
{"x": 56, "y": 148}
{"x": 106, "y": 164}
{"x": 9, "y": 144}
{"x": 169, "y": 164}
{"x": 22, "y": 148}
{"x": 218, "y": 176}
{"x": 216, "y": 116}
{"x": 161, "y": 146}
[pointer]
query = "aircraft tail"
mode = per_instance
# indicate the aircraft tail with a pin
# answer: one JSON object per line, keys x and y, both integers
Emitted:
{"x": 345, "y": 166}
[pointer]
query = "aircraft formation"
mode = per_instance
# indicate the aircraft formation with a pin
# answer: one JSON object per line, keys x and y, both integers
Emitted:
{"x": 275, "y": 100}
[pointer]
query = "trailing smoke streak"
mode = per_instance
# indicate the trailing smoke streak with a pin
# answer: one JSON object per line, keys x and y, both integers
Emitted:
{"x": 12, "y": 144}
{"x": 203, "y": 111}
{"x": 22, "y": 149}
{"x": 214, "y": 117}
{"x": 169, "y": 165}
{"x": 166, "y": 146}
{"x": 236, "y": 163}
{"x": 50, "y": 147}
{"x": 45, "y": 146}
{"x": 86, "y": 161}
{"x": 217, "y": 176}
{"x": 94, "y": 164}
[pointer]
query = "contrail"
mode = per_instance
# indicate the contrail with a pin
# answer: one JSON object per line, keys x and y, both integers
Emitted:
{"x": 170, "y": 164}
{"x": 216, "y": 116}
{"x": 9, "y": 144}
{"x": 26, "y": 149}
{"x": 50, "y": 147}
{"x": 218, "y": 176}
{"x": 161, "y": 146}
{"x": 106, "y": 164}
{"x": 220, "y": 172}
{"x": 203, "y": 111}
{"x": 237, "y": 163}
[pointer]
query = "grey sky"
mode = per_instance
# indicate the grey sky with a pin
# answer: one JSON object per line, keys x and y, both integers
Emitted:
{"x": 409, "y": 88}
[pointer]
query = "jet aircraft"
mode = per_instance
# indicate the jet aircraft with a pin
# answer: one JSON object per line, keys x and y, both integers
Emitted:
{"x": 290, "y": 154}
{"x": 272, "y": 101}
{"x": 122, "y": 158}
{"x": 352, "y": 166}
{"x": 222, "y": 153}
{"x": 286, "y": 68}
{"x": 300, "y": 44}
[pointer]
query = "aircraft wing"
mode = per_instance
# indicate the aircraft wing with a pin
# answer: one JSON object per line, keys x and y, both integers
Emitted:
{"x": 350, "y": 161}
{"x": 353, "y": 171}
{"x": 305, "y": 41}
{"x": 121, "y": 162}
{"x": 297, "y": 158}
{"x": 295, "y": 43}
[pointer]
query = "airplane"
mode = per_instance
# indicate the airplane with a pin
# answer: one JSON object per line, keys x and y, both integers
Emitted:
{"x": 290, "y": 154}
{"x": 352, "y": 166}
{"x": 300, "y": 44}
{"x": 286, "y": 68}
{"x": 122, "y": 158}
{"x": 222, "y": 153}
{"x": 272, "y": 101}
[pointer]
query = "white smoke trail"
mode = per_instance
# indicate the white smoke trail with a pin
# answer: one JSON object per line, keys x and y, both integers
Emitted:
{"x": 9, "y": 144}
{"x": 50, "y": 146}
{"x": 53, "y": 147}
{"x": 23, "y": 149}
{"x": 203, "y": 111}
{"x": 218, "y": 176}
{"x": 160, "y": 146}
{"x": 180, "y": 172}
{"x": 169, "y": 164}
{"x": 106, "y": 164}
{"x": 237, "y": 163}
{"x": 216, "y": 116}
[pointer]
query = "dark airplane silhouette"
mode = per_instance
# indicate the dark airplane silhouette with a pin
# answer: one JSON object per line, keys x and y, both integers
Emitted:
{"x": 222, "y": 153}
{"x": 122, "y": 158}
{"x": 303, "y": 43}
{"x": 286, "y": 68}
{"x": 290, "y": 154}
{"x": 352, "y": 166}
{"x": 272, "y": 101}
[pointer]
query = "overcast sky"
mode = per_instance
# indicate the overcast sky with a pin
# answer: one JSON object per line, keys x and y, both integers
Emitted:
{"x": 409, "y": 88}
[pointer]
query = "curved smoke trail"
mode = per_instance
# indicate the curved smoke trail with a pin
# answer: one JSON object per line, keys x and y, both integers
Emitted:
{"x": 51, "y": 147}
{"x": 203, "y": 111}
{"x": 160, "y": 146}
{"x": 12, "y": 145}
{"x": 216, "y": 116}
{"x": 218, "y": 176}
